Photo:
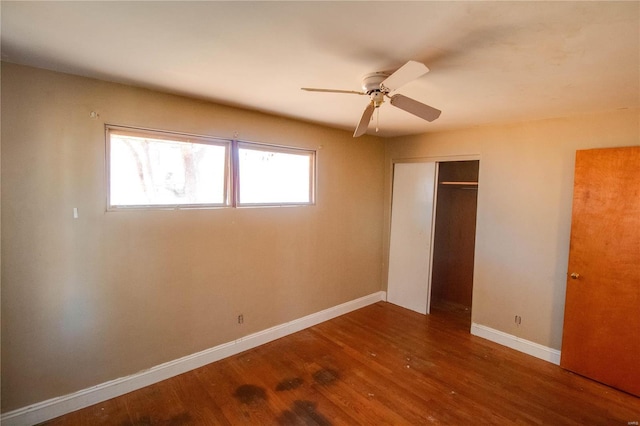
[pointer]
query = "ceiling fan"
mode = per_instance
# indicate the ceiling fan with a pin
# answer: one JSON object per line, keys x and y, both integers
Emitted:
{"x": 377, "y": 85}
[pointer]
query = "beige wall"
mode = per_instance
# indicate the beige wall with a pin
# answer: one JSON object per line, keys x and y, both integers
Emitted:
{"x": 524, "y": 211}
{"x": 108, "y": 294}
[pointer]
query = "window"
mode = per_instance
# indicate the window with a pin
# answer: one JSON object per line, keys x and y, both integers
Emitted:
{"x": 153, "y": 169}
{"x": 271, "y": 175}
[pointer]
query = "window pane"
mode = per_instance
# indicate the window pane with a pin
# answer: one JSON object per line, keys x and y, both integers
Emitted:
{"x": 273, "y": 176}
{"x": 149, "y": 172}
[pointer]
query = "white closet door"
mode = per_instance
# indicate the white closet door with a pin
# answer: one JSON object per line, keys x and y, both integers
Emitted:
{"x": 411, "y": 229}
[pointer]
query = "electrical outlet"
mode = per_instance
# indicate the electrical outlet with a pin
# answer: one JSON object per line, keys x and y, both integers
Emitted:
{"x": 517, "y": 320}
{"x": 240, "y": 319}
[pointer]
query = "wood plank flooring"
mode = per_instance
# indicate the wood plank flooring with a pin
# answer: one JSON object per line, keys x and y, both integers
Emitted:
{"x": 380, "y": 365}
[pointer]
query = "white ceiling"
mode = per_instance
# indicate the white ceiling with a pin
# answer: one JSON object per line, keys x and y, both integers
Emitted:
{"x": 491, "y": 62}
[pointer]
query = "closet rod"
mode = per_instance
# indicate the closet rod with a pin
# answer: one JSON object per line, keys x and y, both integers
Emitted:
{"x": 459, "y": 183}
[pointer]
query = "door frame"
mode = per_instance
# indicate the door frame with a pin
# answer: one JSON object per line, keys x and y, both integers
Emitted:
{"x": 388, "y": 206}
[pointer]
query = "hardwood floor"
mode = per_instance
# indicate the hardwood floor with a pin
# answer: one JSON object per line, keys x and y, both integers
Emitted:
{"x": 376, "y": 366}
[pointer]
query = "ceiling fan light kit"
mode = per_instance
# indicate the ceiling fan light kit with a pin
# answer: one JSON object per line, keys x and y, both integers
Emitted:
{"x": 377, "y": 85}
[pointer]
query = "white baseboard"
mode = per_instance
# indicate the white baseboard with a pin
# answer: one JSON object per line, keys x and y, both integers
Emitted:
{"x": 514, "y": 342}
{"x": 56, "y": 407}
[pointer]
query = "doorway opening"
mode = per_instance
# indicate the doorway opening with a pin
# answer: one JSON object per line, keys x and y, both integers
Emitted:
{"x": 454, "y": 239}
{"x": 432, "y": 238}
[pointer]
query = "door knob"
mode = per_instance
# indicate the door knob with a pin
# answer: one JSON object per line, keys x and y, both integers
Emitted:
{"x": 575, "y": 275}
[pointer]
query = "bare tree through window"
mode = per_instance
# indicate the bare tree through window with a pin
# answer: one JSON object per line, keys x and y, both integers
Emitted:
{"x": 151, "y": 171}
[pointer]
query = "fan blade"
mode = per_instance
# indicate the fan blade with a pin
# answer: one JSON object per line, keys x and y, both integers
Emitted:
{"x": 364, "y": 121}
{"x": 406, "y": 73}
{"x": 351, "y": 92}
{"x": 414, "y": 107}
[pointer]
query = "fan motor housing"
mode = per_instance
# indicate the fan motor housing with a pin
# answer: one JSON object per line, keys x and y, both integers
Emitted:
{"x": 371, "y": 82}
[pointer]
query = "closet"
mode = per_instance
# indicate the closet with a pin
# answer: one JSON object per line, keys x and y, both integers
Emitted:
{"x": 454, "y": 236}
{"x": 431, "y": 251}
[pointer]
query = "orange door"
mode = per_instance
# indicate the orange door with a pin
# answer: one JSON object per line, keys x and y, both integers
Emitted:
{"x": 601, "y": 337}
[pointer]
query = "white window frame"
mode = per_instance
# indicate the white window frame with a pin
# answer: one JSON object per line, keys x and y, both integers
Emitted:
{"x": 257, "y": 146}
{"x": 231, "y": 173}
{"x": 175, "y": 137}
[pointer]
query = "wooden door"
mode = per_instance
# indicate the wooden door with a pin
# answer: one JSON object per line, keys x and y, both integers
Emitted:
{"x": 411, "y": 230}
{"x": 601, "y": 337}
